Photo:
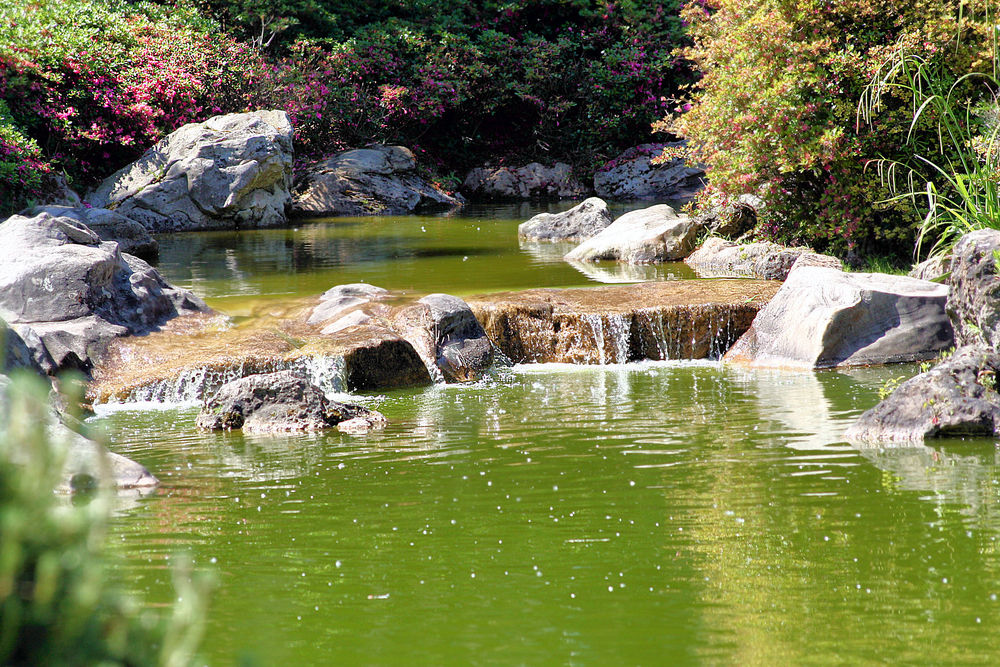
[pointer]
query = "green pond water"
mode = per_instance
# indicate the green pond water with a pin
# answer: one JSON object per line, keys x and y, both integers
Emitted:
{"x": 651, "y": 513}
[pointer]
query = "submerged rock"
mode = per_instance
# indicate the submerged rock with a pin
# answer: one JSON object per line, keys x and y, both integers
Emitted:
{"x": 131, "y": 236}
{"x": 280, "y": 402}
{"x": 532, "y": 181}
{"x": 654, "y": 234}
{"x": 974, "y": 300}
{"x": 765, "y": 260}
{"x": 67, "y": 294}
{"x": 683, "y": 319}
{"x": 577, "y": 224}
{"x": 631, "y": 175}
{"x": 821, "y": 318}
{"x": 229, "y": 172}
{"x": 447, "y": 336}
{"x": 378, "y": 180}
{"x": 957, "y": 398}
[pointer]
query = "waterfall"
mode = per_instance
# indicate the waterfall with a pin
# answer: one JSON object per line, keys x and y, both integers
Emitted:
{"x": 194, "y": 385}
{"x": 612, "y": 331}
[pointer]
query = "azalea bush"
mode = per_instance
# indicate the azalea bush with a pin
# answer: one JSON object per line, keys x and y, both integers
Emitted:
{"x": 466, "y": 82}
{"x": 776, "y": 111}
{"x": 96, "y": 83}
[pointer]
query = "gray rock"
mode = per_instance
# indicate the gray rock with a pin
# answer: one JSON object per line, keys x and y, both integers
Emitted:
{"x": 821, "y": 318}
{"x": 67, "y": 294}
{"x": 338, "y": 301}
{"x": 447, "y": 336}
{"x": 85, "y": 463}
{"x": 577, "y": 224}
{"x": 278, "y": 402}
{"x": 974, "y": 301}
{"x": 632, "y": 176}
{"x": 816, "y": 259}
{"x": 732, "y": 218}
{"x": 957, "y": 398}
{"x": 654, "y": 234}
{"x": 18, "y": 354}
{"x": 936, "y": 269}
{"x": 229, "y": 172}
{"x": 532, "y": 181}
{"x": 130, "y": 235}
{"x": 718, "y": 257}
{"x": 378, "y": 180}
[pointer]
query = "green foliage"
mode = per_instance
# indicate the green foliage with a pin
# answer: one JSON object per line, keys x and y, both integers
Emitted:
{"x": 96, "y": 82}
{"x": 22, "y": 166}
{"x": 953, "y": 181}
{"x": 56, "y": 607}
{"x": 777, "y": 116}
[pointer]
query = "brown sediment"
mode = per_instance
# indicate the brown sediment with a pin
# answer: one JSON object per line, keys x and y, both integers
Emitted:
{"x": 689, "y": 319}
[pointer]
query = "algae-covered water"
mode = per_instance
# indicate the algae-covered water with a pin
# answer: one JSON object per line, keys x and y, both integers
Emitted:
{"x": 651, "y": 513}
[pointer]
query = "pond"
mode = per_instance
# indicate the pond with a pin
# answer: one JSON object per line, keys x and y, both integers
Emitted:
{"x": 647, "y": 513}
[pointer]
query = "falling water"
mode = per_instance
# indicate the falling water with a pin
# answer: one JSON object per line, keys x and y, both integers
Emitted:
{"x": 194, "y": 385}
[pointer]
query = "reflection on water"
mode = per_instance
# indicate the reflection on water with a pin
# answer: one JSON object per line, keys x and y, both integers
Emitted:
{"x": 641, "y": 513}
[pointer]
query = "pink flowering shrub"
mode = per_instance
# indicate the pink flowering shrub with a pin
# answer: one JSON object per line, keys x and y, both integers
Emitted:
{"x": 776, "y": 111}
{"x": 96, "y": 86}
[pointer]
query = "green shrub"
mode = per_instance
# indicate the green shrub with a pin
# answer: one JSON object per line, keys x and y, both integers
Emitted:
{"x": 777, "y": 115}
{"x": 22, "y": 166}
{"x": 56, "y": 606}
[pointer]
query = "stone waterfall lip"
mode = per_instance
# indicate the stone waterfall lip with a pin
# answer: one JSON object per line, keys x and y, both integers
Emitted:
{"x": 678, "y": 319}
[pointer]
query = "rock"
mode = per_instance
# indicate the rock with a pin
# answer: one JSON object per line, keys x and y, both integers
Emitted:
{"x": 957, "y": 398}
{"x": 816, "y": 259}
{"x": 230, "y": 172}
{"x": 131, "y": 237}
{"x": 377, "y": 358}
{"x": 632, "y": 176}
{"x": 974, "y": 300}
{"x": 821, "y": 318}
{"x": 577, "y": 224}
{"x": 278, "y": 402}
{"x": 447, "y": 336}
{"x": 16, "y": 354}
{"x": 337, "y": 301}
{"x": 936, "y": 269}
{"x": 532, "y": 181}
{"x": 654, "y": 234}
{"x": 718, "y": 257}
{"x": 86, "y": 464}
{"x": 65, "y": 290}
{"x": 378, "y": 180}
{"x": 733, "y": 218}
{"x": 57, "y": 192}
{"x": 677, "y": 319}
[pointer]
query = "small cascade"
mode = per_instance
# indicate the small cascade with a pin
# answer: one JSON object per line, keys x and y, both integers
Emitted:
{"x": 611, "y": 336}
{"x": 194, "y": 385}
{"x": 596, "y": 323}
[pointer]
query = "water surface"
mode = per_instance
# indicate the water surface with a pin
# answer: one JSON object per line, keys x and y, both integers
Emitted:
{"x": 651, "y": 513}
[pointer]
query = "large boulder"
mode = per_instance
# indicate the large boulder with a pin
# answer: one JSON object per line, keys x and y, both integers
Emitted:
{"x": 718, "y": 257}
{"x": 822, "y": 317}
{"x": 937, "y": 269}
{"x": 577, "y": 224}
{"x": 230, "y": 172}
{"x": 68, "y": 294}
{"x": 632, "y": 175}
{"x": 378, "y": 180}
{"x": 131, "y": 236}
{"x": 731, "y": 218}
{"x": 532, "y": 181}
{"x": 279, "y": 402}
{"x": 957, "y": 398}
{"x": 447, "y": 336}
{"x": 654, "y": 234}
{"x": 974, "y": 301}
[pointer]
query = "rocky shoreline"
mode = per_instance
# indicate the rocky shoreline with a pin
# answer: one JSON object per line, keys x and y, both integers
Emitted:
{"x": 73, "y": 296}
